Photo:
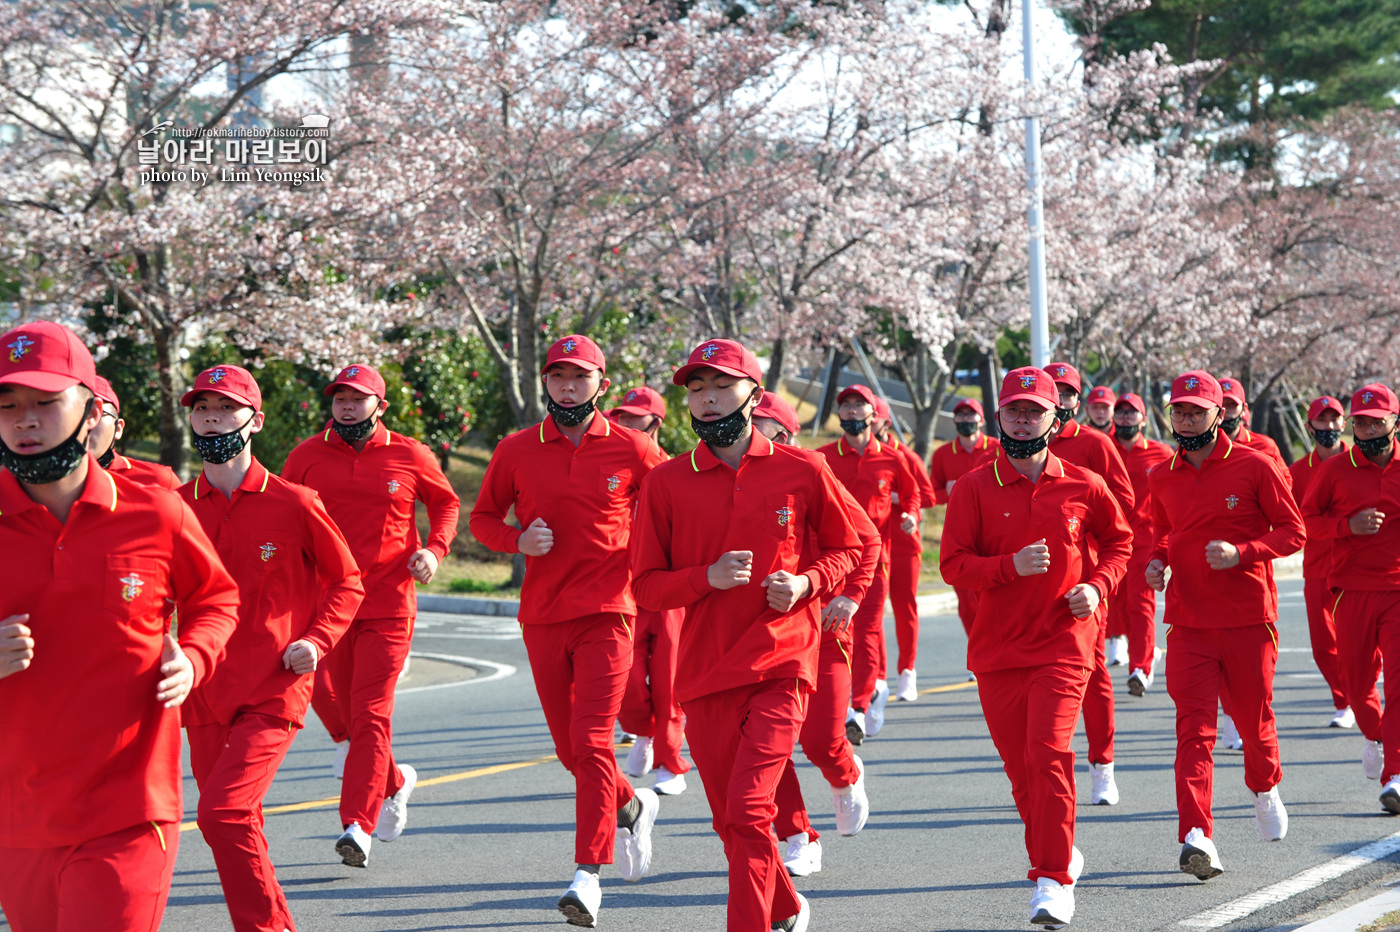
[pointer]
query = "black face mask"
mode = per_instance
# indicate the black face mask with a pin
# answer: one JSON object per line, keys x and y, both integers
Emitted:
{"x": 1327, "y": 438}
{"x": 569, "y": 417}
{"x": 966, "y": 428}
{"x": 1126, "y": 431}
{"x": 1231, "y": 424}
{"x": 1376, "y": 446}
{"x": 725, "y": 431}
{"x": 354, "y": 433}
{"x": 220, "y": 448}
{"x": 51, "y": 465}
{"x": 854, "y": 427}
{"x": 1200, "y": 441}
{"x": 105, "y": 460}
{"x": 1023, "y": 449}
{"x": 1065, "y": 414}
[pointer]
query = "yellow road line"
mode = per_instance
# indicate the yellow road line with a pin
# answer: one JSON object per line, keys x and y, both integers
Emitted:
{"x": 970, "y": 684}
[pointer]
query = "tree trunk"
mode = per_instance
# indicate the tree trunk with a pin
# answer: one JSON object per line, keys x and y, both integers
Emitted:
{"x": 174, "y": 448}
{"x": 517, "y": 571}
{"x": 989, "y": 377}
{"x": 777, "y": 363}
{"x": 832, "y": 387}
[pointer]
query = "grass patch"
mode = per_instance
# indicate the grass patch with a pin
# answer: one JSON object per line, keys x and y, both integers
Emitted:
{"x": 1387, "y": 923}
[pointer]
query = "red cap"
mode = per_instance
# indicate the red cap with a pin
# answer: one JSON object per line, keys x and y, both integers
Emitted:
{"x": 727, "y": 356}
{"x": 47, "y": 357}
{"x": 577, "y": 349}
{"x": 1325, "y": 403}
{"x": 1065, "y": 374}
{"x": 771, "y": 405}
{"x": 361, "y": 377}
{"x": 1197, "y": 387}
{"x": 1029, "y": 384}
{"x": 642, "y": 401}
{"x": 106, "y": 394}
{"x": 1102, "y": 394}
{"x": 882, "y": 410}
{"x": 864, "y": 392}
{"x": 971, "y": 404}
{"x": 1374, "y": 400}
{"x": 1230, "y": 388}
{"x": 1130, "y": 400}
{"x": 230, "y": 381}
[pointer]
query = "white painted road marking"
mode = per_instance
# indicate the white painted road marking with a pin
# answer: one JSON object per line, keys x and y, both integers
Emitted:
{"x": 1299, "y": 883}
{"x": 499, "y": 671}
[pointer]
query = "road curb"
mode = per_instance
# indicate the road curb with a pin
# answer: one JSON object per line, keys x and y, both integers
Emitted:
{"x": 462, "y": 605}
{"x": 1354, "y": 917}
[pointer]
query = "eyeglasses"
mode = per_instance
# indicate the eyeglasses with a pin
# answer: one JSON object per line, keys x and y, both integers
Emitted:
{"x": 1186, "y": 416}
{"x": 1027, "y": 415}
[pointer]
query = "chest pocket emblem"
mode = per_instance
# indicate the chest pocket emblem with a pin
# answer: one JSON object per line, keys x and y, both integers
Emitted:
{"x": 884, "y": 484}
{"x": 1072, "y": 522}
{"x": 784, "y": 516}
{"x": 1231, "y": 501}
{"x": 393, "y": 486}
{"x": 268, "y": 549}
{"x": 613, "y": 483}
{"x": 131, "y": 587}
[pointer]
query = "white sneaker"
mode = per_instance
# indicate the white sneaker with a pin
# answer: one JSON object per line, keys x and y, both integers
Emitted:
{"x": 1270, "y": 816}
{"x": 875, "y": 714}
{"x": 1390, "y": 796}
{"x": 407, "y": 662}
{"x": 1139, "y": 682}
{"x": 1230, "y": 735}
{"x": 1116, "y": 651}
{"x": 1105, "y": 789}
{"x": 1157, "y": 654}
{"x": 582, "y": 901}
{"x": 393, "y": 814}
{"x": 667, "y": 783}
{"x": 799, "y": 922}
{"x": 907, "y": 689}
{"x": 1076, "y": 864}
{"x": 634, "y": 845}
{"x": 1372, "y": 758}
{"x": 1343, "y": 718}
{"x": 801, "y": 857}
{"x": 1052, "y": 904}
{"x": 855, "y": 726}
{"x": 342, "y": 751}
{"x": 639, "y": 758}
{"x": 353, "y": 846}
{"x": 852, "y": 805}
{"x": 1199, "y": 857}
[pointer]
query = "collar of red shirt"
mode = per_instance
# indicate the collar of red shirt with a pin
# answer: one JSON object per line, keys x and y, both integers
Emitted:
{"x": 842, "y": 448}
{"x": 1223, "y": 447}
{"x": 598, "y": 427}
{"x": 702, "y": 457}
{"x": 1314, "y": 462}
{"x": 1139, "y": 442}
{"x": 120, "y": 462}
{"x": 979, "y": 444}
{"x": 254, "y": 481}
{"x": 380, "y": 436}
{"x": 99, "y": 490}
{"x": 1006, "y": 473}
{"x": 1364, "y": 462}
{"x": 1070, "y": 429}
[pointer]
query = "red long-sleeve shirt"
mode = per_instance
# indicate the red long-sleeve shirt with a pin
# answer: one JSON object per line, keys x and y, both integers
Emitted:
{"x": 695, "y": 508}
{"x": 297, "y": 579}
{"x": 1085, "y": 447}
{"x": 586, "y": 495}
{"x": 928, "y": 495}
{"x": 370, "y": 496}
{"x": 870, "y": 476}
{"x": 85, "y": 748}
{"x": 1237, "y": 496}
{"x": 1317, "y": 552}
{"x": 162, "y": 477}
{"x": 1342, "y": 486}
{"x": 950, "y": 462}
{"x": 858, "y": 580}
{"x": 1263, "y": 443}
{"x": 1025, "y": 621}
{"x": 1139, "y": 459}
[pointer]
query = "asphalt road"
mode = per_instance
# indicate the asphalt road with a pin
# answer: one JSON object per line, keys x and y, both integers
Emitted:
{"x": 943, "y": 848}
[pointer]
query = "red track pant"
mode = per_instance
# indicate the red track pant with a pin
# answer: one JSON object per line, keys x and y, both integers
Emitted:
{"x": 868, "y": 654}
{"x": 1200, "y": 663}
{"x": 741, "y": 740}
{"x": 649, "y": 707}
{"x": 1322, "y": 632}
{"x": 823, "y": 739}
{"x": 234, "y": 765}
{"x": 116, "y": 883}
{"x": 1031, "y": 713}
{"x": 327, "y": 707}
{"x": 967, "y": 607}
{"x": 1098, "y": 702}
{"x": 365, "y": 668}
{"x": 904, "y": 601}
{"x": 1132, "y": 611}
{"x": 580, "y": 669}
{"x": 1368, "y": 636}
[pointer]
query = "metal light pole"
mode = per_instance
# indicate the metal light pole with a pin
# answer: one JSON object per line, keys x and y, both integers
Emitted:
{"x": 1040, "y": 322}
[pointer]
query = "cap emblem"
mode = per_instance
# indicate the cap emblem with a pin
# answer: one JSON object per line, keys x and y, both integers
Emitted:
{"x": 268, "y": 549}
{"x": 352, "y": 372}
{"x": 131, "y": 587}
{"x": 632, "y": 396}
{"x": 708, "y": 351}
{"x": 570, "y": 345}
{"x": 1060, "y": 371}
{"x": 216, "y": 376}
{"x": 1191, "y": 383}
{"x": 20, "y": 347}
{"x": 1028, "y": 381}
{"x": 1366, "y": 397}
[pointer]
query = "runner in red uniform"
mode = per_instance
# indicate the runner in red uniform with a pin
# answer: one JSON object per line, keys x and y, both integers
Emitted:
{"x": 1349, "y": 503}
{"x": 90, "y": 677}
{"x": 299, "y": 588}
{"x": 649, "y": 710}
{"x": 1135, "y": 604}
{"x": 1015, "y": 530}
{"x": 102, "y": 443}
{"x": 949, "y": 463}
{"x": 1235, "y": 425}
{"x": 369, "y": 478}
{"x": 875, "y": 475}
{"x": 575, "y": 477}
{"x": 1094, "y": 451}
{"x": 1100, "y": 404}
{"x": 1325, "y": 420}
{"x": 1221, "y": 513}
{"x": 726, "y": 533}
